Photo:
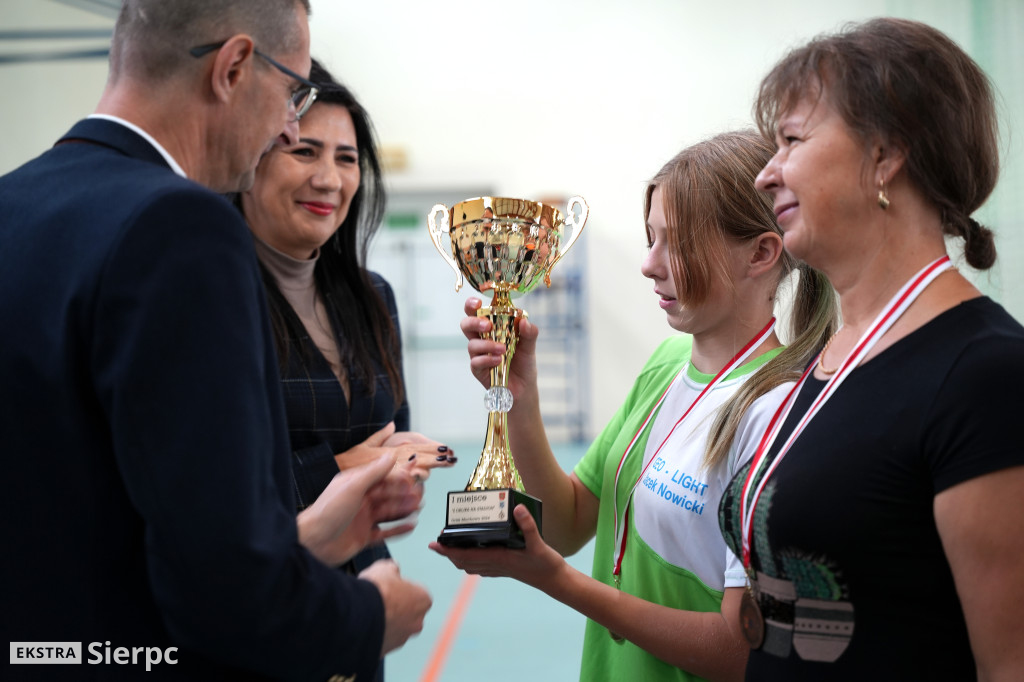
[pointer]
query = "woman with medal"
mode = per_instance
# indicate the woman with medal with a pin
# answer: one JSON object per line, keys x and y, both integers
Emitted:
{"x": 881, "y": 516}
{"x": 664, "y": 598}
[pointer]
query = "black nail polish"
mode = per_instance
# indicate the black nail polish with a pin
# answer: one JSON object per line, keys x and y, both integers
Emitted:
{"x": 453, "y": 459}
{"x": 442, "y": 448}
{"x": 441, "y": 458}
{"x": 412, "y": 457}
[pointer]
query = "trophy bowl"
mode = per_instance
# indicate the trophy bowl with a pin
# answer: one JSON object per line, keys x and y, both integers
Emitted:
{"x": 505, "y": 247}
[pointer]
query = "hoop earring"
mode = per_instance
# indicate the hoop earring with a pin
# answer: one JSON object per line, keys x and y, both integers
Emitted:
{"x": 883, "y": 199}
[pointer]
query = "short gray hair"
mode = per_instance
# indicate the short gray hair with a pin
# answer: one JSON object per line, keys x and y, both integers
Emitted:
{"x": 152, "y": 37}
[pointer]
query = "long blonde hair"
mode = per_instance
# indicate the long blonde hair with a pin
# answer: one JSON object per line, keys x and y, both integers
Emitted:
{"x": 710, "y": 199}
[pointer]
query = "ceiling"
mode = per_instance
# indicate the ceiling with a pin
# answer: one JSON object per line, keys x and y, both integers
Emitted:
{"x": 107, "y": 8}
{"x": 46, "y": 32}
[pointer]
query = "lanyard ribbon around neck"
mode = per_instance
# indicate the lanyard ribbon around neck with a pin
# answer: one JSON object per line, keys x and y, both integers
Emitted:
{"x": 881, "y": 324}
{"x": 619, "y": 548}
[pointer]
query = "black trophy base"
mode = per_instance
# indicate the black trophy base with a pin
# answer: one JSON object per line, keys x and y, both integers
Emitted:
{"x": 483, "y": 518}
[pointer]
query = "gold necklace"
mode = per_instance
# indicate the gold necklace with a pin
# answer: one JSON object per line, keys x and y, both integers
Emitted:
{"x": 821, "y": 357}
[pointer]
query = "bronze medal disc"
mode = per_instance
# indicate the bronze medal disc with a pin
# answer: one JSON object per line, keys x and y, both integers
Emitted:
{"x": 751, "y": 620}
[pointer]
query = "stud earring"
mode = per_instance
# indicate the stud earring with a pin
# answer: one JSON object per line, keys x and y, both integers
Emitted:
{"x": 883, "y": 199}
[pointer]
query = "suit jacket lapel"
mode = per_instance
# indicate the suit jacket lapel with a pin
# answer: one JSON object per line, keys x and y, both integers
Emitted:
{"x": 115, "y": 136}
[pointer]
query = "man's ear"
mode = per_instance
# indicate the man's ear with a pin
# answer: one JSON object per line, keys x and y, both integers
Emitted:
{"x": 765, "y": 253}
{"x": 231, "y": 65}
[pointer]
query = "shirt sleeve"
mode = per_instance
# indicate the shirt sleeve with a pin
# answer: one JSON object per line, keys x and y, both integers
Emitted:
{"x": 968, "y": 433}
{"x": 660, "y": 367}
{"x": 312, "y": 471}
{"x": 590, "y": 468}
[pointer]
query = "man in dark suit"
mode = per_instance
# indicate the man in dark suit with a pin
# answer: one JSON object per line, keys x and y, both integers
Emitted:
{"x": 147, "y": 512}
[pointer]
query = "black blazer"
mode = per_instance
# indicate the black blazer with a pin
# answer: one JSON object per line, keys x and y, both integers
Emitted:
{"x": 321, "y": 422}
{"x": 148, "y": 497}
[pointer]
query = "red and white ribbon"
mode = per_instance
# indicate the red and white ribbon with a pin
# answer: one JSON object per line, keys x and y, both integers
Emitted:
{"x": 619, "y": 548}
{"x": 881, "y": 324}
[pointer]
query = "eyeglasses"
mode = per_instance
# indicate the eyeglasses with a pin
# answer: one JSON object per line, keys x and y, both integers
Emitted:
{"x": 302, "y": 99}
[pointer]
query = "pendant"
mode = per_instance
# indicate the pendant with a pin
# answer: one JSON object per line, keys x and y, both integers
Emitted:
{"x": 751, "y": 620}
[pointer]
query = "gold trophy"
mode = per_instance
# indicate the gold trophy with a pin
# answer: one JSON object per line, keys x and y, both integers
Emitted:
{"x": 505, "y": 246}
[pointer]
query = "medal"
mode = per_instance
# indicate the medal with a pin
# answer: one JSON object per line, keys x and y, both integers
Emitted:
{"x": 751, "y": 620}
{"x": 620, "y": 526}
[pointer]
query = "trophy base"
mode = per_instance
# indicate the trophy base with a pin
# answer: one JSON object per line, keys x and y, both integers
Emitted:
{"x": 483, "y": 518}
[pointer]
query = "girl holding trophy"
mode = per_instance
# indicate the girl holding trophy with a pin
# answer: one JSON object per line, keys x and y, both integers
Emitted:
{"x": 663, "y": 600}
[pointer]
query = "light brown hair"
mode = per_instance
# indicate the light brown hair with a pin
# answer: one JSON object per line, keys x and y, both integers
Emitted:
{"x": 906, "y": 84}
{"x": 710, "y": 199}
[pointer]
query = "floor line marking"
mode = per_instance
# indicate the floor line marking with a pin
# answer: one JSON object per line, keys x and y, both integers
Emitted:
{"x": 432, "y": 672}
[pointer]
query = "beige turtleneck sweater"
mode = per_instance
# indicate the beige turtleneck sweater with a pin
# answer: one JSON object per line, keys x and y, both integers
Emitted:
{"x": 295, "y": 280}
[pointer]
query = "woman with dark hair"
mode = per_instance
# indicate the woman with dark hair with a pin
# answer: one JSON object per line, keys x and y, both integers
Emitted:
{"x": 881, "y": 518}
{"x": 313, "y": 209}
{"x": 663, "y": 599}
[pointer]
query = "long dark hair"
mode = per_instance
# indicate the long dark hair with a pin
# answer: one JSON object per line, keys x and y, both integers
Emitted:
{"x": 340, "y": 275}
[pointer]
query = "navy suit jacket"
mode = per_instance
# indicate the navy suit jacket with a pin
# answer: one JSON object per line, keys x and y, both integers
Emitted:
{"x": 148, "y": 496}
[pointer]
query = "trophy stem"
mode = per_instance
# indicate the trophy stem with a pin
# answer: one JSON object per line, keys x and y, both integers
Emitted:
{"x": 504, "y": 318}
{"x": 496, "y": 468}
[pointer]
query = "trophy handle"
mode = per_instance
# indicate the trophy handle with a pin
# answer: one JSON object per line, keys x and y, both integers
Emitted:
{"x": 577, "y": 226}
{"x": 436, "y": 235}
